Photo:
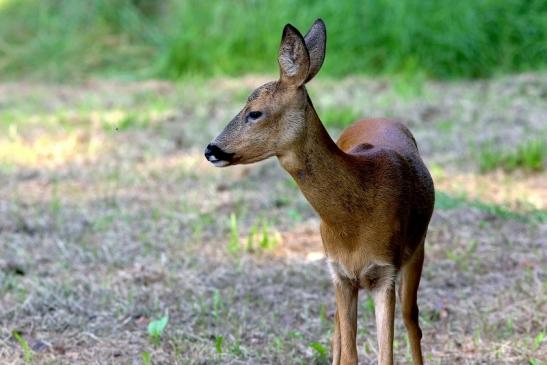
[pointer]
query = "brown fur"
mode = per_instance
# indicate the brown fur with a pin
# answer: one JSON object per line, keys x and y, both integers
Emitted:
{"x": 371, "y": 189}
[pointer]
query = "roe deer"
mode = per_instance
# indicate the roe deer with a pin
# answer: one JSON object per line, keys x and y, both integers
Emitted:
{"x": 371, "y": 189}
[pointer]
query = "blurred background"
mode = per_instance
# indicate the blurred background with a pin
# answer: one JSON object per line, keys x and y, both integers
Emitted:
{"x": 60, "y": 40}
{"x": 120, "y": 243}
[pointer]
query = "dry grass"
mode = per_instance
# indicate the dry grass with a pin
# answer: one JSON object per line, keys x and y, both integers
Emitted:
{"x": 104, "y": 229}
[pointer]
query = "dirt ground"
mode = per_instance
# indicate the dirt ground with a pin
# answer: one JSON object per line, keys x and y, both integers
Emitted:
{"x": 110, "y": 218}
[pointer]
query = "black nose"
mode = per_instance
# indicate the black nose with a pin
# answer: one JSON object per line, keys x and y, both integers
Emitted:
{"x": 208, "y": 151}
{"x": 212, "y": 150}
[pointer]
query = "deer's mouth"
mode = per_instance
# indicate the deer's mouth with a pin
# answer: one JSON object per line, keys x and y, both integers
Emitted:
{"x": 219, "y": 163}
{"x": 217, "y": 156}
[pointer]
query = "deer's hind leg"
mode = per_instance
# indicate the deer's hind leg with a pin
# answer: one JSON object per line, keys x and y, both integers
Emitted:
{"x": 410, "y": 280}
{"x": 383, "y": 293}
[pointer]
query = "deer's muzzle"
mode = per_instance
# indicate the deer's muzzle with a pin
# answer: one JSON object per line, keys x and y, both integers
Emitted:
{"x": 217, "y": 156}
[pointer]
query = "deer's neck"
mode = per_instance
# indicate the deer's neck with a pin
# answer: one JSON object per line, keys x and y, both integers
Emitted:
{"x": 323, "y": 173}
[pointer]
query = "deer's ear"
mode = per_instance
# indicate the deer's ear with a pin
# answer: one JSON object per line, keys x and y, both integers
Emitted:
{"x": 294, "y": 60}
{"x": 316, "y": 43}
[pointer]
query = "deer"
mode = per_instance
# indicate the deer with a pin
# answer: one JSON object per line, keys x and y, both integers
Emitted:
{"x": 372, "y": 192}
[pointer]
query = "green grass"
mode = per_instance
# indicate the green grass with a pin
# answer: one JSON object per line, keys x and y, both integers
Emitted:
{"x": 155, "y": 329}
{"x": 262, "y": 237}
{"x": 25, "y": 347}
{"x": 446, "y": 201}
{"x": 529, "y": 155}
{"x": 321, "y": 353}
{"x": 61, "y": 40}
{"x": 445, "y": 126}
{"x": 339, "y": 117}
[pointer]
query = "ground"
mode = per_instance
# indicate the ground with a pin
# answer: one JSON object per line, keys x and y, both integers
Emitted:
{"x": 110, "y": 218}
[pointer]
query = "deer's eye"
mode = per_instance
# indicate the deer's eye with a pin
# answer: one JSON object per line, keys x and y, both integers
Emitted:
{"x": 254, "y": 116}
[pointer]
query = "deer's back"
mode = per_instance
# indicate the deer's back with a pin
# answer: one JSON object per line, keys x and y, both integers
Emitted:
{"x": 387, "y": 153}
{"x": 378, "y": 132}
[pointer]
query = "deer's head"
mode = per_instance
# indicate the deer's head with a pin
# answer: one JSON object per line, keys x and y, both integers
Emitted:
{"x": 274, "y": 116}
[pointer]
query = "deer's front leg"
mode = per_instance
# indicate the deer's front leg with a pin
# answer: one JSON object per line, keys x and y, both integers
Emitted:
{"x": 384, "y": 307}
{"x": 346, "y": 321}
{"x": 336, "y": 340}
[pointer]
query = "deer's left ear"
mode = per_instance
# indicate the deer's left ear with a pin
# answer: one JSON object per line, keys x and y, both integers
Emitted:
{"x": 294, "y": 59}
{"x": 316, "y": 43}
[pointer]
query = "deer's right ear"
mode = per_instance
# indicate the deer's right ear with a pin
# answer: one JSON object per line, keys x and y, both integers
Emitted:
{"x": 294, "y": 59}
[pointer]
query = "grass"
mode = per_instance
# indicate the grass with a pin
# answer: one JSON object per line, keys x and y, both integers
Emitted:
{"x": 530, "y": 155}
{"x": 63, "y": 40}
{"x": 261, "y": 237}
{"x": 339, "y": 117}
{"x": 445, "y": 201}
{"x": 27, "y": 353}
{"x": 146, "y": 360}
{"x": 321, "y": 352}
{"x": 96, "y": 247}
{"x": 156, "y": 328}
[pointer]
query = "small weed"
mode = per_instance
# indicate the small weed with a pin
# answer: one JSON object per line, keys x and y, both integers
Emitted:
{"x": 234, "y": 246}
{"x": 156, "y": 328}
{"x": 218, "y": 305}
{"x": 538, "y": 340}
{"x": 270, "y": 238}
{"x": 323, "y": 313}
{"x": 395, "y": 344}
{"x": 146, "y": 358}
{"x": 295, "y": 335}
{"x": 155, "y": 214}
{"x": 27, "y": 353}
{"x": 291, "y": 184}
{"x": 368, "y": 305}
{"x": 461, "y": 259}
{"x": 294, "y": 215}
{"x": 204, "y": 220}
{"x": 408, "y": 352}
{"x": 428, "y": 316}
{"x": 529, "y": 155}
{"x": 261, "y": 237}
{"x": 235, "y": 349}
{"x": 277, "y": 344}
{"x": 321, "y": 353}
{"x": 104, "y": 222}
{"x": 218, "y": 344}
{"x": 362, "y": 332}
{"x": 366, "y": 348}
{"x": 250, "y": 239}
{"x": 282, "y": 201}
{"x": 55, "y": 205}
{"x": 477, "y": 337}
